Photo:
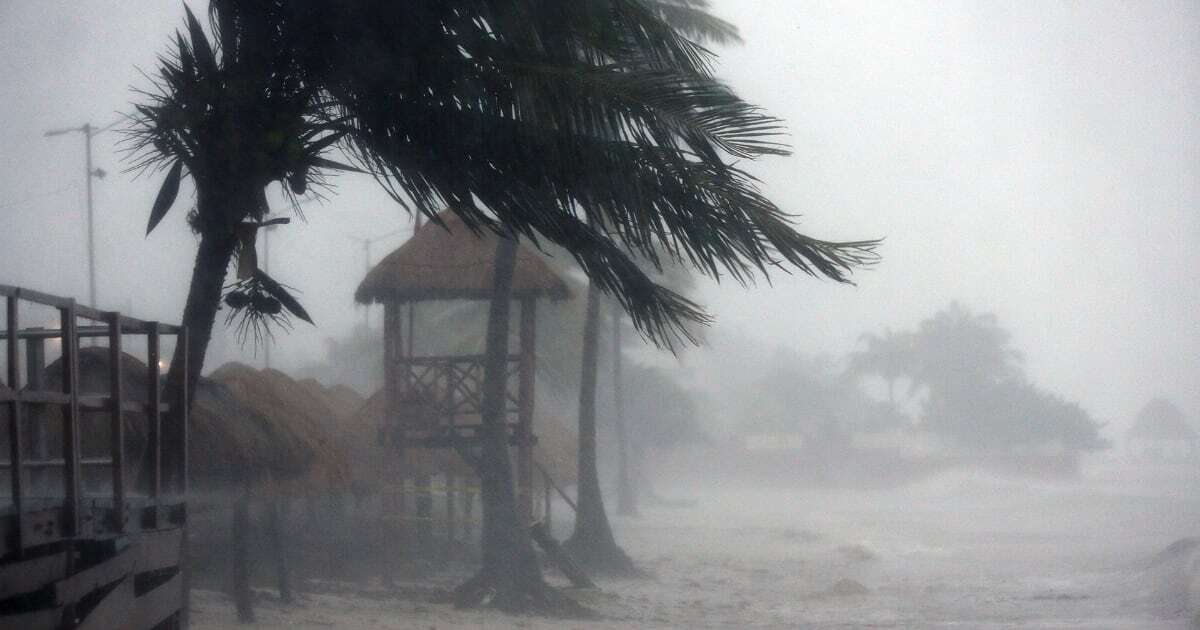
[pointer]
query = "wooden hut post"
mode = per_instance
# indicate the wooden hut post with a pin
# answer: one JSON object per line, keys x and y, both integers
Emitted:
{"x": 451, "y": 513}
{"x": 242, "y": 597}
{"x": 392, "y": 499}
{"x": 525, "y": 408}
{"x": 276, "y": 534}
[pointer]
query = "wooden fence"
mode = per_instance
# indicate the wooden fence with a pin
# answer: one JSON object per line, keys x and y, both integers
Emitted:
{"x": 89, "y": 555}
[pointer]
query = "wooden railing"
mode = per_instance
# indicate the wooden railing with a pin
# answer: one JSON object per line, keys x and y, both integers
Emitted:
{"x": 70, "y": 560}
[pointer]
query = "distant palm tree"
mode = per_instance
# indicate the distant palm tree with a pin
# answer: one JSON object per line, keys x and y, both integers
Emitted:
{"x": 890, "y": 356}
{"x": 586, "y": 123}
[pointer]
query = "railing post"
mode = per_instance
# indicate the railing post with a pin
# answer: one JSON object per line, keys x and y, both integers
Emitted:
{"x": 153, "y": 414}
{"x": 70, "y": 379}
{"x": 35, "y": 368}
{"x": 14, "y": 417}
{"x": 116, "y": 394}
{"x": 183, "y": 411}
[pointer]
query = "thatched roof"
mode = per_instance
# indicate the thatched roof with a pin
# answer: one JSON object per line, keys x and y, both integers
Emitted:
{"x": 288, "y": 405}
{"x": 340, "y": 399}
{"x": 454, "y": 263}
{"x": 228, "y": 440}
{"x": 1162, "y": 420}
{"x": 555, "y": 450}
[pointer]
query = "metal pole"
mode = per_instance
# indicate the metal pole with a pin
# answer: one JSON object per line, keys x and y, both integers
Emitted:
{"x": 87, "y": 136}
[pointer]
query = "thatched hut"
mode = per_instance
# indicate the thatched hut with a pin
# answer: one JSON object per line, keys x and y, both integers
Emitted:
{"x": 430, "y": 399}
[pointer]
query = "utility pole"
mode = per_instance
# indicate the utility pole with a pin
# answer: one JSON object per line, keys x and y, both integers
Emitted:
{"x": 88, "y": 132}
{"x": 366, "y": 245}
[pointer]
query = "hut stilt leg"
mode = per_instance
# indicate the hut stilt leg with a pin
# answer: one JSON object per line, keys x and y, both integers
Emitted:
{"x": 242, "y": 596}
{"x": 277, "y": 535}
{"x": 451, "y": 517}
{"x": 424, "y": 501}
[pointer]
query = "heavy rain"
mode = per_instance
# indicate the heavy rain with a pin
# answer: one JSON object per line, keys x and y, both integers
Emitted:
{"x": 599, "y": 314}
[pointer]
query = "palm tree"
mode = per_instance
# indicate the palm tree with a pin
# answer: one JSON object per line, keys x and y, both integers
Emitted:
{"x": 592, "y": 542}
{"x": 889, "y": 356}
{"x": 586, "y": 123}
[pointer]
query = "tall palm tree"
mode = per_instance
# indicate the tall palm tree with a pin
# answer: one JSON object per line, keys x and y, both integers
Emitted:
{"x": 586, "y": 123}
{"x": 592, "y": 542}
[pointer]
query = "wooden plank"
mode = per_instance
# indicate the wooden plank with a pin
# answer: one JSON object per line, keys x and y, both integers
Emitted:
{"x": 45, "y": 299}
{"x": 159, "y": 549}
{"x": 30, "y": 575}
{"x": 152, "y": 608}
{"x": 76, "y": 587}
{"x": 44, "y": 398}
{"x": 112, "y": 613}
{"x": 45, "y": 619}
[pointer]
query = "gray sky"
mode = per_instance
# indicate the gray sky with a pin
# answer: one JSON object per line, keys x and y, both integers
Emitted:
{"x": 1039, "y": 160}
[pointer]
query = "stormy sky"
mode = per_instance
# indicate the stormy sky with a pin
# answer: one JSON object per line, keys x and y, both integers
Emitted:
{"x": 1038, "y": 160}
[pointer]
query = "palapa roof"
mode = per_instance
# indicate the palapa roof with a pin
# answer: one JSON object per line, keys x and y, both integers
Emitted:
{"x": 453, "y": 263}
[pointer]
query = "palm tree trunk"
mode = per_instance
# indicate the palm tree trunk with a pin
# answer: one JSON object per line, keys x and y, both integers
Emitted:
{"x": 510, "y": 566}
{"x": 199, "y": 314}
{"x": 592, "y": 544}
{"x": 626, "y": 493}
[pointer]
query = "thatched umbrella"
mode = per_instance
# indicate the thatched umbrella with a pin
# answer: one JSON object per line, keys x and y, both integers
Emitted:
{"x": 230, "y": 443}
{"x": 298, "y": 421}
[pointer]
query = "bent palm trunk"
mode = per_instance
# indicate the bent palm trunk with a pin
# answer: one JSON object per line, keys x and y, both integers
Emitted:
{"x": 511, "y": 577}
{"x": 592, "y": 543}
{"x": 199, "y": 314}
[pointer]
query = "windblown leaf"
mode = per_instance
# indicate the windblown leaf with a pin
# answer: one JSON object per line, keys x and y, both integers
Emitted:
{"x": 203, "y": 51}
{"x": 166, "y": 196}
{"x": 278, "y": 292}
{"x": 321, "y": 162}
